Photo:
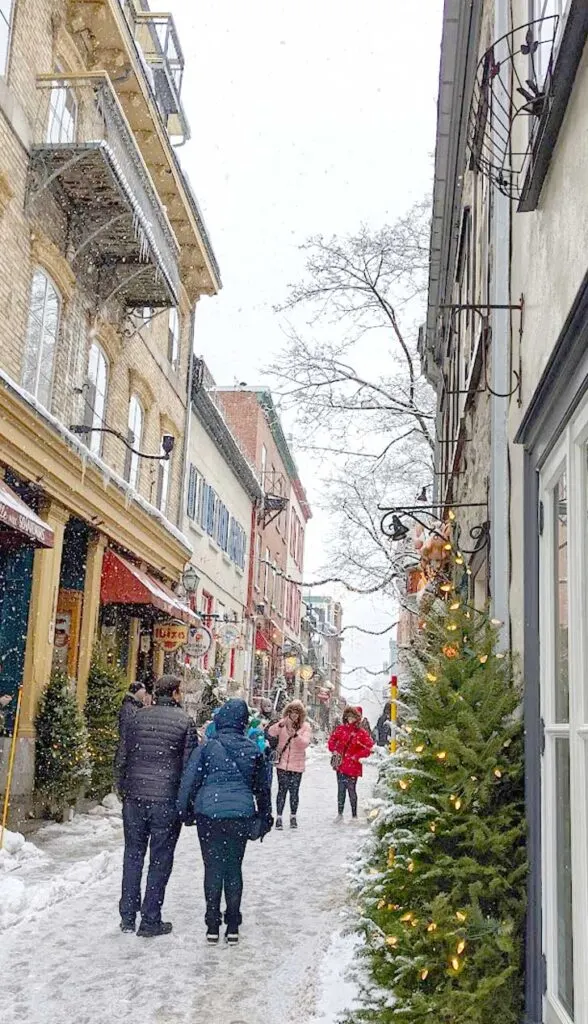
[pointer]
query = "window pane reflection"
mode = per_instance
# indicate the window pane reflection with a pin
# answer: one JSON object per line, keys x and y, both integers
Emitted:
{"x": 562, "y": 696}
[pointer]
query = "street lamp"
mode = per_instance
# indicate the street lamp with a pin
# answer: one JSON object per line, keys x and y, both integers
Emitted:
{"x": 190, "y": 580}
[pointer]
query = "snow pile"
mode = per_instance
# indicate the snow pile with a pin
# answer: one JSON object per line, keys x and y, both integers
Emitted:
{"x": 64, "y": 860}
{"x": 338, "y": 989}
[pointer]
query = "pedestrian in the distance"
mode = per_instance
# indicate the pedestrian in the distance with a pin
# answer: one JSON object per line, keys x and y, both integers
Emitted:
{"x": 154, "y": 747}
{"x": 349, "y": 745}
{"x": 384, "y": 726}
{"x": 225, "y": 791}
{"x": 293, "y": 737}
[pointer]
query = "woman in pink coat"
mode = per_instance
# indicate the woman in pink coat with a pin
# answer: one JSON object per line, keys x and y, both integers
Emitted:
{"x": 293, "y": 734}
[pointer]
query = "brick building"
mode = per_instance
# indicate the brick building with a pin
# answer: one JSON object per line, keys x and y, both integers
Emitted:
{"x": 274, "y": 598}
{"x": 103, "y": 256}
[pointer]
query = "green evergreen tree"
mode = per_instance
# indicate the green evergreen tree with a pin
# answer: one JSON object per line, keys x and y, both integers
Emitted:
{"x": 441, "y": 881}
{"x": 62, "y": 765}
{"x": 106, "y": 688}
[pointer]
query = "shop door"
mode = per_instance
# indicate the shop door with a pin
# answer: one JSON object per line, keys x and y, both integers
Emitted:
{"x": 564, "y": 698}
{"x": 16, "y": 574}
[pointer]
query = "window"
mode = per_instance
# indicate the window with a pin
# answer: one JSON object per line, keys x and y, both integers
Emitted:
{"x": 5, "y": 26}
{"x": 63, "y": 112}
{"x": 163, "y": 482}
{"x": 95, "y": 397}
{"x": 544, "y": 9}
{"x": 135, "y": 437}
{"x": 237, "y": 544}
{"x": 222, "y": 527}
{"x": 173, "y": 338}
{"x": 263, "y": 464}
{"x": 41, "y": 340}
{"x": 267, "y": 573}
{"x": 257, "y": 560}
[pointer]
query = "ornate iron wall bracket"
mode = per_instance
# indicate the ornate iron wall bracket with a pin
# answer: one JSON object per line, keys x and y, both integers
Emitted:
{"x": 483, "y": 311}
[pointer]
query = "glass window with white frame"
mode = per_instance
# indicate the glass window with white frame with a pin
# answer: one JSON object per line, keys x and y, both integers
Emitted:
{"x": 5, "y": 30}
{"x": 63, "y": 115}
{"x": 95, "y": 400}
{"x": 163, "y": 481}
{"x": 135, "y": 436}
{"x": 547, "y": 32}
{"x": 173, "y": 333}
{"x": 41, "y": 338}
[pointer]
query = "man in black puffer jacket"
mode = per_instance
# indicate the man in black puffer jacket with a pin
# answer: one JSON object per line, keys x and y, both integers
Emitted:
{"x": 154, "y": 747}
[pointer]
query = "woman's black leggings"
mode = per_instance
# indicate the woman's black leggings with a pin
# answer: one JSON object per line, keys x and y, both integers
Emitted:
{"x": 346, "y": 784}
{"x": 288, "y": 782}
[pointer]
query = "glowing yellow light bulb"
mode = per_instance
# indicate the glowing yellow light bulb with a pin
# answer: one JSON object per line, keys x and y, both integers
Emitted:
{"x": 459, "y": 560}
{"x": 408, "y": 728}
{"x": 406, "y": 917}
{"x": 455, "y": 963}
{"x": 454, "y": 606}
{"x": 460, "y": 916}
{"x": 457, "y": 805}
{"x": 431, "y": 677}
{"x": 432, "y": 927}
{"x": 498, "y": 773}
{"x": 411, "y": 866}
{"x": 451, "y": 515}
{"x": 447, "y": 547}
{"x": 403, "y": 784}
{"x": 424, "y": 975}
{"x": 414, "y": 922}
{"x": 500, "y": 656}
{"x": 446, "y": 588}
{"x": 391, "y": 858}
{"x": 441, "y": 756}
{"x": 420, "y": 748}
{"x": 392, "y": 940}
{"x": 483, "y": 659}
{"x": 451, "y": 627}
{"x": 381, "y": 904}
{"x": 433, "y": 827}
{"x": 460, "y": 947}
{"x": 496, "y": 622}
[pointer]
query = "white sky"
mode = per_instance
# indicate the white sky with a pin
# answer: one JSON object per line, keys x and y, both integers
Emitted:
{"x": 308, "y": 117}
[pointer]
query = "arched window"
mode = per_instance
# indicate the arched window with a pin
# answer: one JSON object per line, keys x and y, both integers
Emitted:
{"x": 135, "y": 437}
{"x": 41, "y": 339}
{"x": 95, "y": 397}
{"x": 5, "y": 31}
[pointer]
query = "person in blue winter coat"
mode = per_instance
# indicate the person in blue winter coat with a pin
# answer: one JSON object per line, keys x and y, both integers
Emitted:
{"x": 225, "y": 789}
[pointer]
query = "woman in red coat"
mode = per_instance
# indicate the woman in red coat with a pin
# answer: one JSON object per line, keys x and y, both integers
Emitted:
{"x": 349, "y": 743}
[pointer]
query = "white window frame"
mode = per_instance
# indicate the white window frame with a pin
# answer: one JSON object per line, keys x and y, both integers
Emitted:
{"x": 570, "y": 454}
{"x": 173, "y": 338}
{"x": 40, "y": 340}
{"x": 97, "y": 375}
{"x": 134, "y": 466}
{"x": 63, "y": 116}
{"x": 7, "y": 20}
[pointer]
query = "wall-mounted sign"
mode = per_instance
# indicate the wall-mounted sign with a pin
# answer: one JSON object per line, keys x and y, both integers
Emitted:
{"x": 229, "y": 634}
{"x": 306, "y": 673}
{"x": 199, "y": 642}
{"x": 290, "y": 663}
{"x": 170, "y": 635}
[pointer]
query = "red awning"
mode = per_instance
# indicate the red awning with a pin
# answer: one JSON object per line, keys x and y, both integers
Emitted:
{"x": 125, "y": 583}
{"x": 19, "y": 517}
{"x": 262, "y": 642}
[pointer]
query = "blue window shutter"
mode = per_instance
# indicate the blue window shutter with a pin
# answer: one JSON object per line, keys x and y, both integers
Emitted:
{"x": 192, "y": 483}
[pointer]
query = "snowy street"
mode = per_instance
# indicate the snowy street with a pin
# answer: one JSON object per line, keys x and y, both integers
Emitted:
{"x": 65, "y": 960}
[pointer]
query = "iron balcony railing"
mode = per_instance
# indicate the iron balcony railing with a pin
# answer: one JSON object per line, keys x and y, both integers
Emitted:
{"x": 158, "y": 45}
{"x": 84, "y": 151}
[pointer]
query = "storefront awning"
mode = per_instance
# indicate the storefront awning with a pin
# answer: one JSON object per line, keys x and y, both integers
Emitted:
{"x": 262, "y": 642}
{"x": 125, "y": 583}
{"x": 19, "y": 517}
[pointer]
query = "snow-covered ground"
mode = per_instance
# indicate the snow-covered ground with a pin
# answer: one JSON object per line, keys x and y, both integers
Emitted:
{"x": 63, "y": 958}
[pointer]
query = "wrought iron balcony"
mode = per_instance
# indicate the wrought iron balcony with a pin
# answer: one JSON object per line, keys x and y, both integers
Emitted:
{"x": 85, "y": 155}
{"x": 158, "y": 45}
{"x": 512, "y": 94}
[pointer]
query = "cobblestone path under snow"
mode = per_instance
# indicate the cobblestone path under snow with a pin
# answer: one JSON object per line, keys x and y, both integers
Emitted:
{"x": 70, "y": 964}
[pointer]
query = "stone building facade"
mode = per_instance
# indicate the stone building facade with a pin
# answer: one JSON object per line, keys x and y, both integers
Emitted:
{"x": 513, "y": 110}
{"x": 103, "y": 256}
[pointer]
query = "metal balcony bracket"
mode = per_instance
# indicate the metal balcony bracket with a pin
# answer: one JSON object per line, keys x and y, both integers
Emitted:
{"x": 483, "y": 311}
{"x": 273, "y": 506}
{"x": 131, "y": 328}
{"x": 57, "y": 173}
{"x": 96, "y": 234}
{"x": 514, "y": 81}
{"x": 121, "y": 285}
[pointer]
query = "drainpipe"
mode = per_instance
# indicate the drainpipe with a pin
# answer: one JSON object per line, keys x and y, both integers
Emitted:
{"x": 501, "y": 384}
{"x": 188, "y": 423}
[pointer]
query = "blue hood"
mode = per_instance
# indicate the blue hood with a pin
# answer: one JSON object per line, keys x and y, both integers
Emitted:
{"x": 233, "y": 715}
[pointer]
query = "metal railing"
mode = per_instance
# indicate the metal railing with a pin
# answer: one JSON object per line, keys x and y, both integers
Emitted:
{"x": 80, "y": 112}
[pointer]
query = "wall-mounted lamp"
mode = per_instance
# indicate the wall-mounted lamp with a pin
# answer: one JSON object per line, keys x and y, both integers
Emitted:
{"x": 167, "y": 442}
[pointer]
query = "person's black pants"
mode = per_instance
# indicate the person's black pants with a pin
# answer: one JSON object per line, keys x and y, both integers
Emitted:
{"x": 346, "y": 784}
{"x": 223, "y": 842}
{"x": 155, "y": 824}
{"x": 288, "y": 782}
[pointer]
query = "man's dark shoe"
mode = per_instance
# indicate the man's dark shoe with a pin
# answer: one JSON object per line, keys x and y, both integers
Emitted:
{"x": 279, "y": 825}
{"x": 151, "y": 931}
{"x": 212, "y": 936}
{"x": 127, "y": 924}
{"x": 293, "y": 822}
{"x": 232, "y": 936}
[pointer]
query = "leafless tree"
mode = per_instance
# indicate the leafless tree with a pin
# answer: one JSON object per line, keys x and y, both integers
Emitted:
{"x": 351, "y": 374}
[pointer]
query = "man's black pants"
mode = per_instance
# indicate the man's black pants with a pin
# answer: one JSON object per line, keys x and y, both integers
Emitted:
{"x": 346, "y": 784}
{"x": 288, "y": 782}
{"x": 223, "y": 842}
{"x": 155, "y": 824}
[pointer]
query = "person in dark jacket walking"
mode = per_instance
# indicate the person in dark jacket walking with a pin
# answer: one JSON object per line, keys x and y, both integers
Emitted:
{"x": 133, "y": 701}
{"x": 384, "y": 727}
{"x": 154, "y": 748}
{"x": 224, "y": 781}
